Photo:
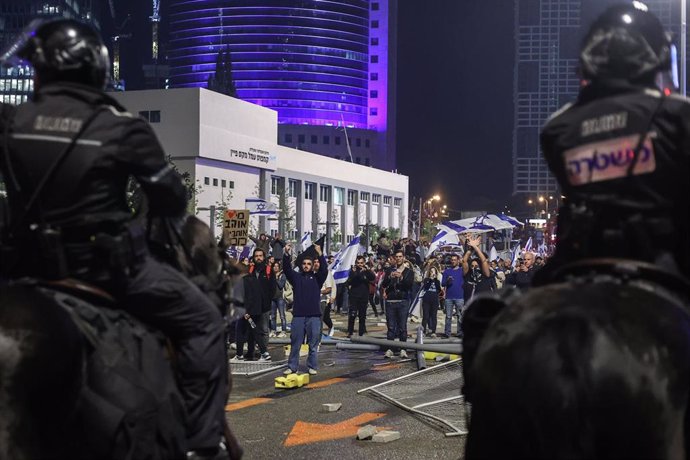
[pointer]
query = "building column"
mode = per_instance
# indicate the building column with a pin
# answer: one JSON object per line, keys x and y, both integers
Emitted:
{"x": 264, "y": 194}
{"x": 329, "y": 216}
{"x": 315, "y": 211}
{"x": 284, "y": 187}
{"x": 381, "y": 211}
{"x": 299, "y": 211}
{"x": 345, "y": 215}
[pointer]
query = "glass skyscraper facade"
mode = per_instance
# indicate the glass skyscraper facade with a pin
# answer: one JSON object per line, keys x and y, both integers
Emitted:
{"x": 322, "y": 65}
{"x": 548, "y": 35}
{"x": 16, "y": 83}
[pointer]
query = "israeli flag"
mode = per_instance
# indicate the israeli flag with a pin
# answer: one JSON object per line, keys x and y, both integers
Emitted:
{"x": 260, "y": 207}
{"x": 493, "y": 254}
{"x": 447, "y": 235}
{"x": 416, "y": 306}
{"x": 516, "y": 254}
{"x": 528, "y": 246}
{"x": 305, "y": 242}
{"x": 344, "y": 260}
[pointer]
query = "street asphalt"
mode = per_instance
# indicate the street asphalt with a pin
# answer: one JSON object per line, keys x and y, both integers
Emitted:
{"x": 275, "y": 423}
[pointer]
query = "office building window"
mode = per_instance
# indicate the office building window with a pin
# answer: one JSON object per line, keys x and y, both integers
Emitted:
{"x": 373, "y": 94}
{"x": 374, "y": 41}
{"x": 275, "y": 185}
{"x": 152, "y": 116}
{"x": 309, "y": 190}
{"x": 338, "y": 196}
{"x": 358, "y": 142}
{"x": 375, "y": 24}
{"x": 314, "y": 139}
{"x": 301, "y": 139}
{"x": 326, "y": 140}
{"x": 367, "y": 143}
{"x": 387, "y": 200}
{"x": 397, "y": 202}
{"x": 223, "y": 183}
{"x": 375, "y": 198}
{"x": 374, "y": 6}
{"x": 207, "y": 181}
{"x": 231, "y": 184}
{"x": 215, "y": 182}
{"x": 351, "y": 197}
{"x": 374, "y": 59}
{"x": 337, "y": 140}
{"x": 374, "y": 76}
{"x": 373, "y": 111}
{"x": 363, "y": 196}
{"x": 288, "y": 138}
{"x": 324, "y": 192}
{"x": 292, "y": 188}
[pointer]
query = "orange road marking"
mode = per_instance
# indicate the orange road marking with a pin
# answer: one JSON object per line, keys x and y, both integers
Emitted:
{"x": 246, "y": 403}
{"x": 309, "y": 433}
{"x": 326, "y": 383}
{"x": 387, "y": 367}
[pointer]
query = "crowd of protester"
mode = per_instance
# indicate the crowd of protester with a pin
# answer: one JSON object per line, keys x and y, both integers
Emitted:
{"x": 398, "y": 278}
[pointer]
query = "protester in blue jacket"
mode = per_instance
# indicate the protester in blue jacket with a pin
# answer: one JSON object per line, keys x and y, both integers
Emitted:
{"x": 306, "y": 309}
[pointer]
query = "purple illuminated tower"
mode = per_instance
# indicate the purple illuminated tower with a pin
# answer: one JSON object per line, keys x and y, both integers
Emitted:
{"x": 319, "y": 64}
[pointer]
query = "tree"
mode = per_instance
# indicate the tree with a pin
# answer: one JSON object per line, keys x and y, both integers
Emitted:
{"x": 134, "y": 190}
{"x": 221, "y": 80}
{"x": 336, "y": 234}
{"x": 286, "y": 214}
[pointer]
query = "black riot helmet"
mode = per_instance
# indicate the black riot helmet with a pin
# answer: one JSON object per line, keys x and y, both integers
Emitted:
{"x": 626, "y": 42}
{"x": 65, "y": 50}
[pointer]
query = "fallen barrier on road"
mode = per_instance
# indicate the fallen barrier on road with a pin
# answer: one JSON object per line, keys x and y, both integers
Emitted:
{"x": 435, "y": 394}
{"x": 450, "y": 348}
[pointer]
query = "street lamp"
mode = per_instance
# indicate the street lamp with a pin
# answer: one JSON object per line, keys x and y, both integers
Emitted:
{"x": 546, "y": 203}
{"x": 427, "y": 208}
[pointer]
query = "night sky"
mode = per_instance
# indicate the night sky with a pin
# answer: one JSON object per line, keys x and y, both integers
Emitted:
{"x": 455, "y": 100}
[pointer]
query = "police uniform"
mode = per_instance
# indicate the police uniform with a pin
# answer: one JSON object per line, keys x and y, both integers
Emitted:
{"x": 85, "y": 204}
{"x": 616, "y": 208}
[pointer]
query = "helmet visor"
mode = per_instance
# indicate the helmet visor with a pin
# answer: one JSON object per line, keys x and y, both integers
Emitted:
{"x": 669, "y": 80}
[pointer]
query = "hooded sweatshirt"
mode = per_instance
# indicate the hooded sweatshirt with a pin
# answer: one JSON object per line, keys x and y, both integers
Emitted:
{"x": 306, "y": 288}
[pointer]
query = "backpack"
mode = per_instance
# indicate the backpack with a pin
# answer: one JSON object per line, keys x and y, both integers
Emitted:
{"x": 288, "y": 293}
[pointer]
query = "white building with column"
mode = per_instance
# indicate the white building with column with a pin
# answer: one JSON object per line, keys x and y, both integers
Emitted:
{"x": 229, "y": 147}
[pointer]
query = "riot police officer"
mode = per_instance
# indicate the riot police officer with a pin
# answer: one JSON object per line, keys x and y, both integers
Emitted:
{"x": 67, "y": 155}
{"x": 621, "y": 151}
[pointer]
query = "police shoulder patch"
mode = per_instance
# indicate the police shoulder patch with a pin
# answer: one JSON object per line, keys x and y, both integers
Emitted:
{"x": 608, "y": 159}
